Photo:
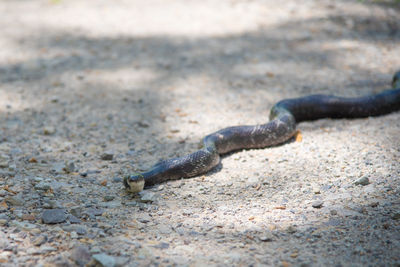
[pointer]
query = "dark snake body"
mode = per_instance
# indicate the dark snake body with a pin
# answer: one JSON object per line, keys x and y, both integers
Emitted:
{"x": 282, "y": 126}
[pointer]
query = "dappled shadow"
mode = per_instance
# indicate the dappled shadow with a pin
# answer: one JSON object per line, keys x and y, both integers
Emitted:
{"x": 180, "y": 56}
{"x": 93, "y": 112}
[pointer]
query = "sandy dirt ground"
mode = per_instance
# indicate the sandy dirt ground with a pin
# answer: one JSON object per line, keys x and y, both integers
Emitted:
{"x": 92, "y": 90}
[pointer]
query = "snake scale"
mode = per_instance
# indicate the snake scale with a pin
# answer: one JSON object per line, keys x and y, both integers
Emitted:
{"x": 282, "y": 126}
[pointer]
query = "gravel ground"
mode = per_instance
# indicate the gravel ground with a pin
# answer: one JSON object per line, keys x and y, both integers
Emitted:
{"x": 90, "y": 90}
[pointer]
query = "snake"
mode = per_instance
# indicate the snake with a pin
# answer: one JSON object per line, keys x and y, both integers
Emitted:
{"x": 284, "y": 116}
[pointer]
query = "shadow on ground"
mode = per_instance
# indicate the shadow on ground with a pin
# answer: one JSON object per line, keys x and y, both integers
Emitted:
{"x": 72, "y": 65}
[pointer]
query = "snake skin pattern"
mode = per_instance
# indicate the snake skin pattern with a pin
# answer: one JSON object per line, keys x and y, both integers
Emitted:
{"x": 282, "y": 126}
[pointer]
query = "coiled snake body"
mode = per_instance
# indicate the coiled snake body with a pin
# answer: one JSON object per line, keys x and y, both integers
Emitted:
{"x": 281, "y": 127}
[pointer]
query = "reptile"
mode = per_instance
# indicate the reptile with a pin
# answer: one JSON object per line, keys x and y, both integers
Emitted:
{"x": 284, "y": 116}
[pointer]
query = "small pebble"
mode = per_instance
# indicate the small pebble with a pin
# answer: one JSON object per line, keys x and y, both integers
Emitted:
{"x": 147, "y": 196}
{"x": 73, "y": 219}
{"x": 49, "y": 130}
{"x": 40, "y": 240}
{"x": 80, "y": 255}
{"x": 266, "y": 237}
{"x": 108, "y": 155}
{"x": 143, "y": 124}
{"x": 46, "y": 249}
{"x": 14, "y": 201}
{"x": 117, "y": 180}
{"x": 291, "y": 229}
{"x": 23, "y": 225}
{"x": 52, "y": 204}
{"x": 42, "y": 186}
{"x": 162, "y": 245}
{"x": 317, "y": 204}
{"x": 164, "y": 229}
{"x": 362, "y": 181}
{"x": 76, "y": 211}
{"x": 108, "y": 198}
{"x": 94, "y": 211}
{"x": 74, "y": 235}
{"x": 54, "y": 216}
{"x": 3, "y": 193}
{"x": 104, "y": 260}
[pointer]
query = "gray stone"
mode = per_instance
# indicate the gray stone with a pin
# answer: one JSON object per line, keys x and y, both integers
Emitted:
{"x": 37, "y": 179}
{"x": 362, "y": 181}
{"x": 162, "y": 245}
{"x": 108, "y": 197}
{"x": 79, "y": 229}
{"x": 42, "y": 186}
{"x": 147, "y": 196}
{"x": 117, "y": 180}
{"x": 164, "y": 229}
{"x": 40, "y": 240}
{"x": 80, "y": 255}
{"x": 46, "y": 249}
{"x": 291, "y": 229}
{"x": 14, "y": 201}
{"x": 317, "y": 204}
{"x": 73, "y": 219}
{"x": 76, "y": 211}
{"x": 266, "y": 237}
{"x": 23, "y": 225}
{"x": 52, "y": 204}
{"x": 74, "y": 235}
{"x": 104, "y": 260}
{"x": 94, "y": 212}
{"x": 143, "y": 124}
{"x": 111, "y": 204}
{"x": 3, "y": 193}
{"x": 121, "y": 261}
{"x": 53, "y": 216}
{"x": 108, "y": 155}
{"x": 95, "y": 250}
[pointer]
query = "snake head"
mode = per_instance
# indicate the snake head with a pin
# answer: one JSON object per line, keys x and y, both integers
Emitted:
{"x": 396, "y": 80}
{"x": 134, "y": 183}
